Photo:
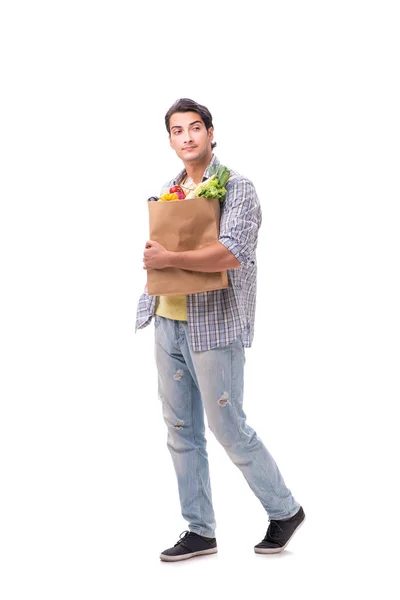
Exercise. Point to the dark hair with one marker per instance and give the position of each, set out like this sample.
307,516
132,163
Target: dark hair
187,105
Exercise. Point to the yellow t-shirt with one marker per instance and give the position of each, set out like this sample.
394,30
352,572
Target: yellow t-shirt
174,307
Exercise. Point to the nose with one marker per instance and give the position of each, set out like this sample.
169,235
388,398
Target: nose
187,137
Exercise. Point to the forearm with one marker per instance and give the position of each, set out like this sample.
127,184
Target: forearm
210,259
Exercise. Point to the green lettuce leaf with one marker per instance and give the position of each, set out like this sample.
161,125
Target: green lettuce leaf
213,190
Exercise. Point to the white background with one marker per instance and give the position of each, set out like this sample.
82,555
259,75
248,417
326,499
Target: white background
305,101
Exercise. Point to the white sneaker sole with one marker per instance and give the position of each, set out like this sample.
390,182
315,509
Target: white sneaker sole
190,555
276,550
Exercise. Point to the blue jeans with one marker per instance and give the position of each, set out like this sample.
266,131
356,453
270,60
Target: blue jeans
190,382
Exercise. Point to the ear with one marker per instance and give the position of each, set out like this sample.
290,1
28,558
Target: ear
211,133
170,141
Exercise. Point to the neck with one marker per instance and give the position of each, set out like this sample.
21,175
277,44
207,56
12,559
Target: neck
196,169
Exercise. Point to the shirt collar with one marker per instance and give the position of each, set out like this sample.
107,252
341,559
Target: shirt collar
181,176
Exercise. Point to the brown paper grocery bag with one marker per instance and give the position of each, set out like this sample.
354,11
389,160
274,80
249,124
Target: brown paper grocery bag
184,225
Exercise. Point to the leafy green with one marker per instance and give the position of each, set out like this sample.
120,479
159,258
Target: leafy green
213,190
214,186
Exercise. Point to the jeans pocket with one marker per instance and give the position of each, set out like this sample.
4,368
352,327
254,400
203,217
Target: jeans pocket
157,320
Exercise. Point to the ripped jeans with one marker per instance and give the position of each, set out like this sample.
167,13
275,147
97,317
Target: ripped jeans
190,382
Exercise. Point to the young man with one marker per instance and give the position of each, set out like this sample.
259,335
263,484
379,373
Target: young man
200,341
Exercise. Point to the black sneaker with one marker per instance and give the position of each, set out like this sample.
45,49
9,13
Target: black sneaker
279,533
191,544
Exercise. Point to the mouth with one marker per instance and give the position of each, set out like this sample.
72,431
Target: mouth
189,147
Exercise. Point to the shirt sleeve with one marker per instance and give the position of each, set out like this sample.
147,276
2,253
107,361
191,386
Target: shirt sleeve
240,220
145,310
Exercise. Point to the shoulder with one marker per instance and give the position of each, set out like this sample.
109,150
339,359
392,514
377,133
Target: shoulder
167,185
240,186
175,181
237,180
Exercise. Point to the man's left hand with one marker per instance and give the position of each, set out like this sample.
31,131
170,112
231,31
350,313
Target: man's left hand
155,256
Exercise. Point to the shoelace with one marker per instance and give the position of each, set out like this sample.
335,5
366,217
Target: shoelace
181,539
273,530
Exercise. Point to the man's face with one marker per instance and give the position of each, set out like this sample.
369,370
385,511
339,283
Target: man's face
189,136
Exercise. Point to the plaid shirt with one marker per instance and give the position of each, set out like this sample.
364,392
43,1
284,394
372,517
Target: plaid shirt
219,317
